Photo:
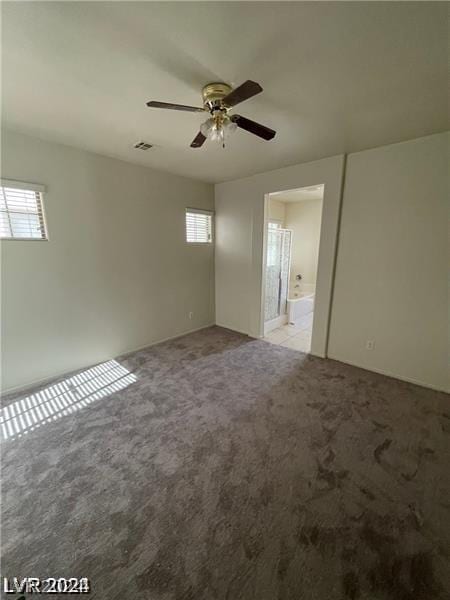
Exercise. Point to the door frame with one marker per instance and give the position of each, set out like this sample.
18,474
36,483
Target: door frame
331,208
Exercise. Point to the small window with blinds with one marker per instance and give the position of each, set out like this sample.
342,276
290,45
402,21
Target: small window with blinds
199,226
21,211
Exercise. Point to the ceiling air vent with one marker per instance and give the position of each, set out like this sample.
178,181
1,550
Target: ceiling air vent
143,146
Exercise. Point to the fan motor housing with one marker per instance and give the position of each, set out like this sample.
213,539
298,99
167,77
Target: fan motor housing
213,93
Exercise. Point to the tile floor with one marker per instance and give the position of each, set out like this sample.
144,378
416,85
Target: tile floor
296,336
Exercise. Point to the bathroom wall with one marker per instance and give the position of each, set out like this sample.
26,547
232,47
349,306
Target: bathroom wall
304,219
277,210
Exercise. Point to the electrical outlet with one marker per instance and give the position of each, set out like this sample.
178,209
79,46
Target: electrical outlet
191,315
370,344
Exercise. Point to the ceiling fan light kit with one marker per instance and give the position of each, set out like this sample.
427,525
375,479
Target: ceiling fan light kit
218,99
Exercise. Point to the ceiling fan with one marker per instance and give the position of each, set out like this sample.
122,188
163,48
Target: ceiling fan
218,99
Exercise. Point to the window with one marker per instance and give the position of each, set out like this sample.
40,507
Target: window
199,226
274,224
21,211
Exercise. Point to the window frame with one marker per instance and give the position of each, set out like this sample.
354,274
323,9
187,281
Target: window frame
29,187
278,223
201,211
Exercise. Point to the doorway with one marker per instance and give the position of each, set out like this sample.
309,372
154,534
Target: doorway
292,238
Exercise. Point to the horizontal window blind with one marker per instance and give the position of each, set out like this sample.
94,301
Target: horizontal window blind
198,226
21,213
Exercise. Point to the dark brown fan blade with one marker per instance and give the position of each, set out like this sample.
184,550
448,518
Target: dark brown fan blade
252,127
155,104
243,92
198,141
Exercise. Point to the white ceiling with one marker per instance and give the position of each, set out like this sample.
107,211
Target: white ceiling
337,77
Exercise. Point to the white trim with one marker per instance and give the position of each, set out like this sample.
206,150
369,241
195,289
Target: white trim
44,380
262,308
266,219
235,329
209,244
39,190
200,211
329,228
23,239
22,185
276,221
388,374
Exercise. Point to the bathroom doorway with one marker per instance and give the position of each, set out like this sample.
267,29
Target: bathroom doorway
292,236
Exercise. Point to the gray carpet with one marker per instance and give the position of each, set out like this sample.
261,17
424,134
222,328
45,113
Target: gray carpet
224,468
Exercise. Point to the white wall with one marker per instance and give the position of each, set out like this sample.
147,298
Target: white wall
240,213
392,266
277,210
116,274
304,219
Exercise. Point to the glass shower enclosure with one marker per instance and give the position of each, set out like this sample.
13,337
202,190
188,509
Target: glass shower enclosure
278,258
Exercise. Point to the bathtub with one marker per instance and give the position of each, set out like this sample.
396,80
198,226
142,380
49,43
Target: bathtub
299,307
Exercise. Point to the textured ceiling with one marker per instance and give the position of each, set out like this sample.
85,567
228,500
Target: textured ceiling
337,77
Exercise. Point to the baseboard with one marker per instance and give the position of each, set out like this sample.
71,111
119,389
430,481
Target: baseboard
23,388
388,374
43,381
167,339
232,329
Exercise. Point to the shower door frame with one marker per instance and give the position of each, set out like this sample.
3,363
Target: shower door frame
281,319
